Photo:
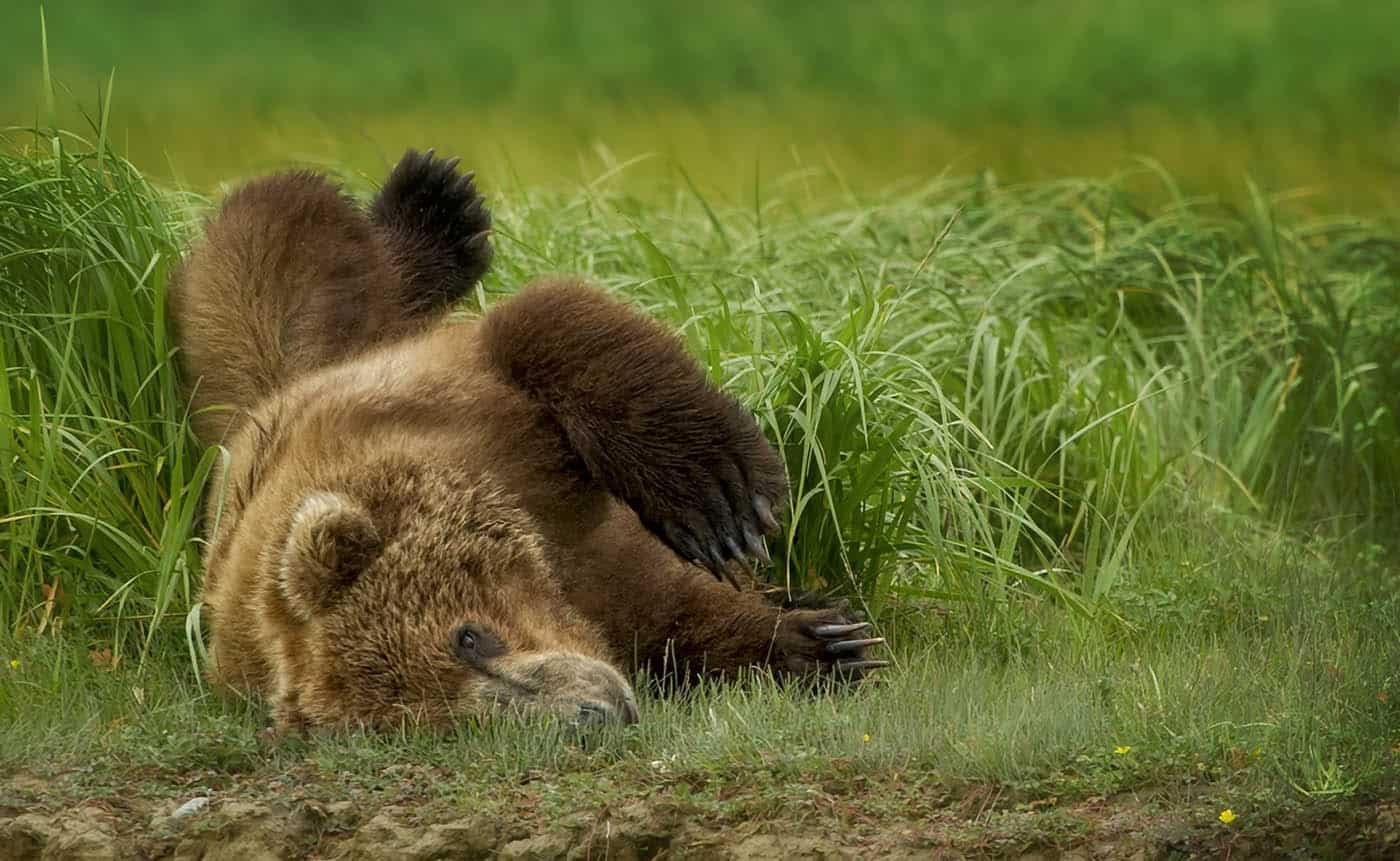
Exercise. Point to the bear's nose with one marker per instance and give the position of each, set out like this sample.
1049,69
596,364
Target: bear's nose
590,714
593,713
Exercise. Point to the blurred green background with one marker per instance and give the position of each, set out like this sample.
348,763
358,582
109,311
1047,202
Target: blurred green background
1296,94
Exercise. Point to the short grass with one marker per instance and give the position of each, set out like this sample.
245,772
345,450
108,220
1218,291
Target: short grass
1278,694
1117,480
1273,708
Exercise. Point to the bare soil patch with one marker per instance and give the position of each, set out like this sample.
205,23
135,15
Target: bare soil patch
413,814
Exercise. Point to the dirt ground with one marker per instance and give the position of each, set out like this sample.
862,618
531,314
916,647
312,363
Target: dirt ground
409,816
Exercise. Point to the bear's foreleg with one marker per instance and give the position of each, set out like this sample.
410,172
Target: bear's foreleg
642,418
658,615
720,632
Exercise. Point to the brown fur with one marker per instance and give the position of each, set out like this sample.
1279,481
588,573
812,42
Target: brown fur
395,480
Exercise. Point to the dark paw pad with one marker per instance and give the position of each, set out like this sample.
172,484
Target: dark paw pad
438,225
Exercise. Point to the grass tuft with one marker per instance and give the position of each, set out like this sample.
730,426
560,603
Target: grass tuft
101,483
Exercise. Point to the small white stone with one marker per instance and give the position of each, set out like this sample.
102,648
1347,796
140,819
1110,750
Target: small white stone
191,807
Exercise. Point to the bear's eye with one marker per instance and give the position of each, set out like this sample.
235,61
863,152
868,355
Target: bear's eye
466,641
473,643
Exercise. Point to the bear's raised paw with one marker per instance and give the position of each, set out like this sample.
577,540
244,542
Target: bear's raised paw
437,225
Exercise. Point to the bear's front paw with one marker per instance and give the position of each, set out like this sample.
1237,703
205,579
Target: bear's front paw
825,643
716,503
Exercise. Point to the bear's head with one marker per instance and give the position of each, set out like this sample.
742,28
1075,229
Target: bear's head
428,602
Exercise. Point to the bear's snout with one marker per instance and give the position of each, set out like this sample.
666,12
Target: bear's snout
581,690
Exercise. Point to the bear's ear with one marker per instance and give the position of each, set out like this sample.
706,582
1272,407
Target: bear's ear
332,540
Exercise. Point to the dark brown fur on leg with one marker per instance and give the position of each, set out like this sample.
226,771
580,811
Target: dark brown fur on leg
290,277
642,417
659,616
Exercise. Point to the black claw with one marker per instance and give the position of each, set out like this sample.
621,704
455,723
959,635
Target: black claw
735,552
755,545
733,579
831,632
747,568
715,560
698,555
846,646
451,163
684,545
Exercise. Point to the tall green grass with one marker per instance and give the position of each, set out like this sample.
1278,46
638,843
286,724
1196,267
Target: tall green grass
100,485
983,393
982,388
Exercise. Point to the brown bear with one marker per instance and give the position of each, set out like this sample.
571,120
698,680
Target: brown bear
422,519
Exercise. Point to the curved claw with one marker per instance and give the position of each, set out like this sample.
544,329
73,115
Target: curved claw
732,577
832,632
755,545
855,666
735,551
764,509
714,560
846,646
479,241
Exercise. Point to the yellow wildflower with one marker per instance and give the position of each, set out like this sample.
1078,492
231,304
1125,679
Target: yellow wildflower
1227,816
1122,750
14,663
866,738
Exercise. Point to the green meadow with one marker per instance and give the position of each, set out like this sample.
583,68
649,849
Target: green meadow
1077,325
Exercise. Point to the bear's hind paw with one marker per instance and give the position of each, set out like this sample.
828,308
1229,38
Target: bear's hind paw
438,225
